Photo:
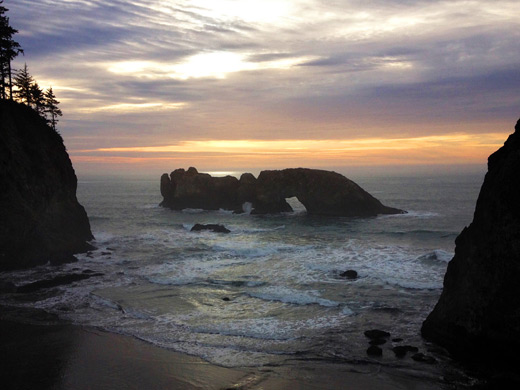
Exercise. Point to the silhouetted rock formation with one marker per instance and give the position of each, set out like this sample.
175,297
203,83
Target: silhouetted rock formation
190,189
321,192
40,218
478,313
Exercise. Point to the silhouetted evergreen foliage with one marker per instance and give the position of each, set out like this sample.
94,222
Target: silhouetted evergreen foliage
9,49
38,99
23,81
27,89
51,108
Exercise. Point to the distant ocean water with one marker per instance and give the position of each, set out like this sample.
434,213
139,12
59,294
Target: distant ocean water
280,274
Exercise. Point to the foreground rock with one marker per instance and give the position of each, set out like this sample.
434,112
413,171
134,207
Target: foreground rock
40,218
211,227
478,313
321,192
349,274
376,334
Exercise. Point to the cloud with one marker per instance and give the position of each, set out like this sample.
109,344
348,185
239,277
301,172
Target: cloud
284,69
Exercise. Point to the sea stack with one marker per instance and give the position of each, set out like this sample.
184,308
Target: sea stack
321,192
478,313
41,220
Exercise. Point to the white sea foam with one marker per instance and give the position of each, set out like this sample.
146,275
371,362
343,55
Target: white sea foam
292,296
437,255
280,273
192,211
247,207
237,249
419,214
150,206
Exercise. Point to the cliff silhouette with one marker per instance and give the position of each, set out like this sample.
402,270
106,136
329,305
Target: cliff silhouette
478,314
41,220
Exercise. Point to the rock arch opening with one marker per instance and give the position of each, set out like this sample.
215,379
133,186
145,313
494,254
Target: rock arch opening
296,205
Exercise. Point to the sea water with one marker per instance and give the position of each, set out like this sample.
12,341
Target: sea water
270,292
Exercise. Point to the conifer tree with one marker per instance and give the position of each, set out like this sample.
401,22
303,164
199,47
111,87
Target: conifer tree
38,99
51,108
23,81
9,49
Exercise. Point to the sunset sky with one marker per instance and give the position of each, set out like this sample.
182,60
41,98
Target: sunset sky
224,85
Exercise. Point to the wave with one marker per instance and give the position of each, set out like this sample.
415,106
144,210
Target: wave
253,230
236,283
411,284
412,214
437,255
417,232
291,296
193,211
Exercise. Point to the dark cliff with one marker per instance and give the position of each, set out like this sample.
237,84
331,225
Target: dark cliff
321,192
478,313
40,218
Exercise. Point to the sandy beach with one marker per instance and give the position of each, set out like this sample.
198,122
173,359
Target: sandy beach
63,356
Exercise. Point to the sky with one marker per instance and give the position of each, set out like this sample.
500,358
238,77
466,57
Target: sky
149,86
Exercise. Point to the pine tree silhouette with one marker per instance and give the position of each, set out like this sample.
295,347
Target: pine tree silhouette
24,81
9,49
51,108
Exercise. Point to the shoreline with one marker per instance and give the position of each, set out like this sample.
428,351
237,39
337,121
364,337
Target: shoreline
36,351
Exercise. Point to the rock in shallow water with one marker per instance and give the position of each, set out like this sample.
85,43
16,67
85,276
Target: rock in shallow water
376,334
212,227
321,192
349,274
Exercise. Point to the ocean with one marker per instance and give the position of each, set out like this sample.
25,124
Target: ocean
270,292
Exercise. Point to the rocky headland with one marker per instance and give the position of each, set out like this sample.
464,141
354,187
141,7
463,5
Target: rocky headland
478,314
41,220
321,192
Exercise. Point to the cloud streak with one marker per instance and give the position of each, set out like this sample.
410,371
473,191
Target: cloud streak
151,72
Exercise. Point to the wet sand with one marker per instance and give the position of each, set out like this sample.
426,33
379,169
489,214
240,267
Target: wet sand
62,356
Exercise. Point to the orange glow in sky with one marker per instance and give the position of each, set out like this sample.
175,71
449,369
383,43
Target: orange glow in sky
229,154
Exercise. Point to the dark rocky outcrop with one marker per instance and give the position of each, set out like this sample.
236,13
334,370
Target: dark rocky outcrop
211,227
40,218
321,192
478,313
377,342
191,189
349,274
376,334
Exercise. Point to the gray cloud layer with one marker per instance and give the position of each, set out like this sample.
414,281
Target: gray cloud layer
288,69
